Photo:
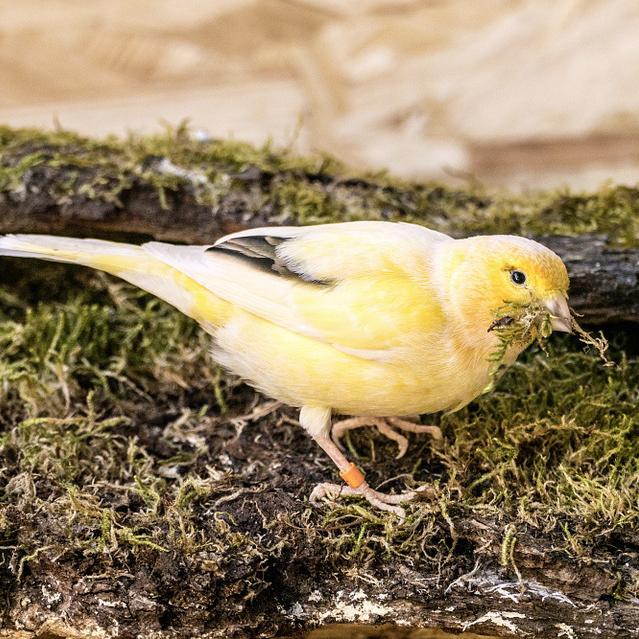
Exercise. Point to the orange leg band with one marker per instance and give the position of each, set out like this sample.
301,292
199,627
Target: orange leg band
352,476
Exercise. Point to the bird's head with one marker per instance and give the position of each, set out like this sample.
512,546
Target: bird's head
488,272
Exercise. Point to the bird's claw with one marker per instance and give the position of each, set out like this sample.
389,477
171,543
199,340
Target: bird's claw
382,424
404,424
388,503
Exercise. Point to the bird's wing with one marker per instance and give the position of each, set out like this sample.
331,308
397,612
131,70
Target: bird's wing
364,287
333,252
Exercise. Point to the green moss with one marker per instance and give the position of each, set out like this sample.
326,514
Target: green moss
296,189
103,170
107,416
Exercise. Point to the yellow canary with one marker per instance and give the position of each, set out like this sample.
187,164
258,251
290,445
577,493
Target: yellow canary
374,320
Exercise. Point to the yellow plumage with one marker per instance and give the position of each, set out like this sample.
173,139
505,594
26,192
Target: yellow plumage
362,318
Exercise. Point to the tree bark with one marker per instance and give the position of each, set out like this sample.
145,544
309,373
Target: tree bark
604,278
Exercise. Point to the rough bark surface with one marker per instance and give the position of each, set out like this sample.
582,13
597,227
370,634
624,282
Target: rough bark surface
605,279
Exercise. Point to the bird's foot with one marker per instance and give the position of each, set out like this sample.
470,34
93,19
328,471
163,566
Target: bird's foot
383,501
384,426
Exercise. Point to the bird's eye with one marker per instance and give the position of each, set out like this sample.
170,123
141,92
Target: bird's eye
517,277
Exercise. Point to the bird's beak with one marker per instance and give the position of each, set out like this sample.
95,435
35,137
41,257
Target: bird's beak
560,317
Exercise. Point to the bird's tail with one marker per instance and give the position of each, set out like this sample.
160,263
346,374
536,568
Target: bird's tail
129,262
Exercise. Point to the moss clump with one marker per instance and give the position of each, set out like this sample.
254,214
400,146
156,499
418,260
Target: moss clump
105,170
519,325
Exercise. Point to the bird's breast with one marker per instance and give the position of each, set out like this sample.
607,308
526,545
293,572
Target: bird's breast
435,375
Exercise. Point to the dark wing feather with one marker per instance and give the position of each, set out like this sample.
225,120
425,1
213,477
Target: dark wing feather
260,252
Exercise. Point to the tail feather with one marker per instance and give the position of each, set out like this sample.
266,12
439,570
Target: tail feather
130,263
64,249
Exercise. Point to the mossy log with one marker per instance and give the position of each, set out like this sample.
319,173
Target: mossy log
179,189
146,493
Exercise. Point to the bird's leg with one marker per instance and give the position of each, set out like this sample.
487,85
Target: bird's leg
317,421
382,425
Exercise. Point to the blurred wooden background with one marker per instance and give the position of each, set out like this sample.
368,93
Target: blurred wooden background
521,93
